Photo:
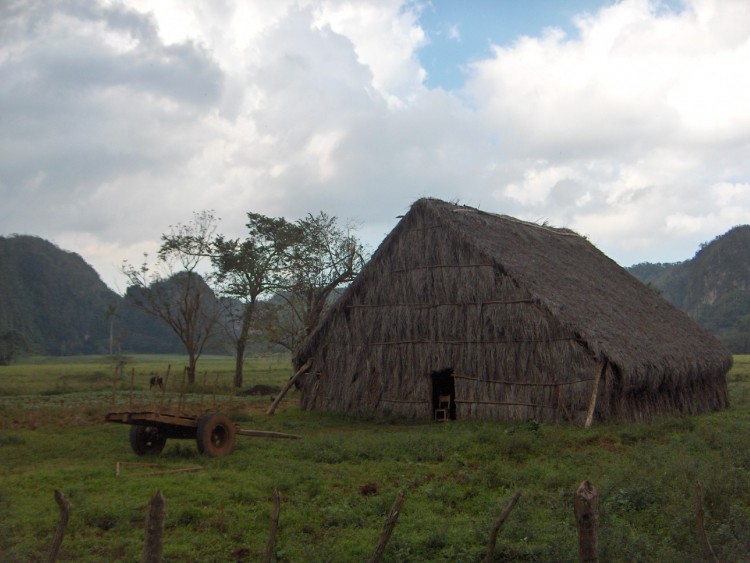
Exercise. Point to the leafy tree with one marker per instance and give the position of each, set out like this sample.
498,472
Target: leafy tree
244,269
250,268
324,257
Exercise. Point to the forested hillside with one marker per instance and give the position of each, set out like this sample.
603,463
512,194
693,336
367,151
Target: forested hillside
54,303
52,297
713,288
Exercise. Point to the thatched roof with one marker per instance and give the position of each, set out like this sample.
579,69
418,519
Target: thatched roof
648,341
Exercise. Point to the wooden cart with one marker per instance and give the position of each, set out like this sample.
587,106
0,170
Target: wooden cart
214,432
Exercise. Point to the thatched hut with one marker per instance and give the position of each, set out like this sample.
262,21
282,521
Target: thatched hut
505,320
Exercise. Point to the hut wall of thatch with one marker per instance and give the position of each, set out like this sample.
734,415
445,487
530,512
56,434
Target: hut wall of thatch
434,300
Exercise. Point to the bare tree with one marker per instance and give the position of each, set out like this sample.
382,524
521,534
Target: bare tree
183,300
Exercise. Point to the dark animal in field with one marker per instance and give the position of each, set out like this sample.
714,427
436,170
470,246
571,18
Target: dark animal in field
156,381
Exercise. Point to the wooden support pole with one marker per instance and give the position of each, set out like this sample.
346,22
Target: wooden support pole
708,551
203,388
182,400
62,524
594,393
164,388
114,390
152,548
216,385
266,434
277,400
270,546
132,383
497,524
390,523
586,508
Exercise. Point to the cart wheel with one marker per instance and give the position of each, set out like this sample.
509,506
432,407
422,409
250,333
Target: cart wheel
146,440
215,435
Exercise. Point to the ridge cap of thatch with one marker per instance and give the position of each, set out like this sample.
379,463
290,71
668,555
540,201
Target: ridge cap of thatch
563,231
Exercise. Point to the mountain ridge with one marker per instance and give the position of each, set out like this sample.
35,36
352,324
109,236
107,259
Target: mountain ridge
61,306
713,287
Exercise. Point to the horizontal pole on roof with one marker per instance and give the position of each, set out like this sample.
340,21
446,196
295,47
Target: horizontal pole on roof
453,342
430,305
433,266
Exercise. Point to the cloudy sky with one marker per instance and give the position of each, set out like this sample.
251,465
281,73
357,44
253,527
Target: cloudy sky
627,121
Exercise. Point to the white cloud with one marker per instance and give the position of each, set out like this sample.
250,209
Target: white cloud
454,33
646,108
120,120
385,36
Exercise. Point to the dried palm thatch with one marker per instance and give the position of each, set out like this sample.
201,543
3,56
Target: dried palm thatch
514,321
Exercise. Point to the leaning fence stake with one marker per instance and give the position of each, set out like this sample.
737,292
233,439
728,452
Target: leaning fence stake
390,523
274,526
497,524
586,507
154,530
62,523
708,551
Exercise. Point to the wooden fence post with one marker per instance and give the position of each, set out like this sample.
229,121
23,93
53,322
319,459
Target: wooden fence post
62,523
274,526
390,523
708,551
154,530
586,507
497,524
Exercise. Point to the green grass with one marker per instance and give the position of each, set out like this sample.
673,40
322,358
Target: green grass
62,375
338,482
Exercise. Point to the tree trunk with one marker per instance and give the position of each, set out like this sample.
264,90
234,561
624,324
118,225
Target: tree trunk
192,363
239,360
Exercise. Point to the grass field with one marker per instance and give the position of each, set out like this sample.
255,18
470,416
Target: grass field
338,482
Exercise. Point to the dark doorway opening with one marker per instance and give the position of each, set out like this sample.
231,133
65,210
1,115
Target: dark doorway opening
443,395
